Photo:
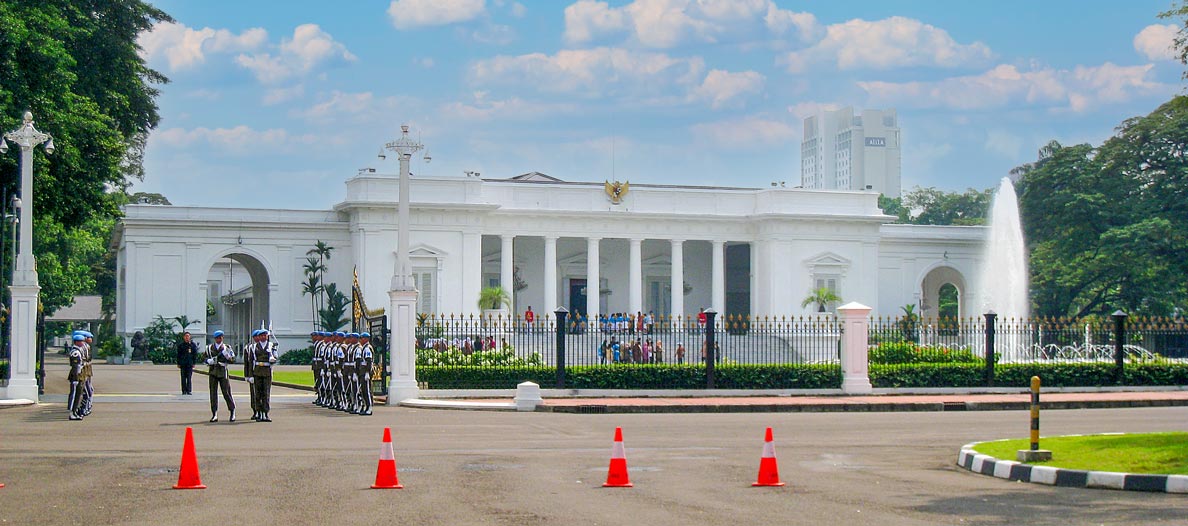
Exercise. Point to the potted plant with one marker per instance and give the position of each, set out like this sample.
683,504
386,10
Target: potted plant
112,349
494,302
822,297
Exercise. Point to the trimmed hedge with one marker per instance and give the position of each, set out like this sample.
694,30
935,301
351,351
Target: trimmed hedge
3,370
670,376
296,357
658,376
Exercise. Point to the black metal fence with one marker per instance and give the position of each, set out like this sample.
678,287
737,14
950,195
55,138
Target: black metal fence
984,345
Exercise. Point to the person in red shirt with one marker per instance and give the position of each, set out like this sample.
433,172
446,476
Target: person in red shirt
701,319
529,317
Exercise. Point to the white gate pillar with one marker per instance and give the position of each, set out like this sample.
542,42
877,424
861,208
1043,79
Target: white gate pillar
855,329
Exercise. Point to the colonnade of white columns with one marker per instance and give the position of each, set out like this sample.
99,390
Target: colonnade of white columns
635,274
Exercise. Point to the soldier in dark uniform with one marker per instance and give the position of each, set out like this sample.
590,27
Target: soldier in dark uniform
88,391
363,363
263,356
218,356
187,354
316,366
75,376
248,362
348,372
336,356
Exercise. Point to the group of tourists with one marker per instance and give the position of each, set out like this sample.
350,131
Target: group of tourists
341,366
82,392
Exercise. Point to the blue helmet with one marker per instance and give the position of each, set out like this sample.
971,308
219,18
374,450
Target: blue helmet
218,334
77,336
366,335
88,334
352,335
340,334
257,332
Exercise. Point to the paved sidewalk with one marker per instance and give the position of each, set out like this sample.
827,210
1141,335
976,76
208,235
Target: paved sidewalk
945,402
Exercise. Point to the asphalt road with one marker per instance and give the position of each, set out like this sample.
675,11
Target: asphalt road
313,466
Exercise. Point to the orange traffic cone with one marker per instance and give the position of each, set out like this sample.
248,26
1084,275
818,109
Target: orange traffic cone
385,473
188,477
616,477
769,473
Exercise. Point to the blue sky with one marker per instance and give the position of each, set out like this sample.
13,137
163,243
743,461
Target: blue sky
274,104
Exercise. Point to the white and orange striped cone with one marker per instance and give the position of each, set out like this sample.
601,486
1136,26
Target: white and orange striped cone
617,477
769,473
385,473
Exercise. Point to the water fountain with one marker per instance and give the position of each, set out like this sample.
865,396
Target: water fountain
1002,285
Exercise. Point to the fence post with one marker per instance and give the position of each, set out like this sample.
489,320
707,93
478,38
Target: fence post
854,341
562,313
1119,341
989,372
710,333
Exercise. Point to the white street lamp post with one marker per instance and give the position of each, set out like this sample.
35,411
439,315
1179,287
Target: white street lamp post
403,292
22,381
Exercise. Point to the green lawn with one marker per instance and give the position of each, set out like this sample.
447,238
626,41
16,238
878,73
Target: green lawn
1155,453
294,377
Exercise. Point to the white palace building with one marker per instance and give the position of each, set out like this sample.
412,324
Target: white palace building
662,248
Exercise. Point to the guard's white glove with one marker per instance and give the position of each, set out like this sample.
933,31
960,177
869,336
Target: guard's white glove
210,361
271,359
251,379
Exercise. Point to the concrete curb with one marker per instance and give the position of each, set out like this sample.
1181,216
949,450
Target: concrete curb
852,407
15,402
453,404
976,462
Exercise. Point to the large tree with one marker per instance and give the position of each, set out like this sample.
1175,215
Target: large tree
75,65
930,206
1107,227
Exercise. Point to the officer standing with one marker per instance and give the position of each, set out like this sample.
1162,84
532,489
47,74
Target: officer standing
218,356
315,365
248,362
187,354
338,354
75,376
263,357
88,388
348,372
363,370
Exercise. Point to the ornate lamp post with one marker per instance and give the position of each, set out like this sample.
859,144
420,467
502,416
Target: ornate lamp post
403,292
22,382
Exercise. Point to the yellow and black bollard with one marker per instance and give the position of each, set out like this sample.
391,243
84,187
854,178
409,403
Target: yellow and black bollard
1035,454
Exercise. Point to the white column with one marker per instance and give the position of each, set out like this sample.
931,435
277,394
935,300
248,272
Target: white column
719,278
472,271
505,267
22,379
550,274
593,290
855,326
402,323
635,276
678,278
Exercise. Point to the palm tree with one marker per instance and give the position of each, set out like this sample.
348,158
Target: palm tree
908,323
316,259
313,284
822,297
493,298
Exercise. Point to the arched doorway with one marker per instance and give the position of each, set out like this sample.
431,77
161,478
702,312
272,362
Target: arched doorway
943,293
237,298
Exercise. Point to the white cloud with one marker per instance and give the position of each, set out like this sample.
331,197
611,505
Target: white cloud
496,34
668,23
307,49
723,87
518,10
184,47
484,109
278,95
238,140
364,106
1157,42
752,132
1078,89
593,72
804,110
884,44
408,14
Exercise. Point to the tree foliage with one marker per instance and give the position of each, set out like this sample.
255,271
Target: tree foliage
930,206
74,64
1107,226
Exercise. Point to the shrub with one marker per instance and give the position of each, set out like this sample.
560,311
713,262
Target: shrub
3,370
652,376
302,356
161,341
494,358
903,352
111,347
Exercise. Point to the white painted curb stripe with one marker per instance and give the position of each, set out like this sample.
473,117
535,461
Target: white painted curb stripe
1106,479
1177,484
1043,475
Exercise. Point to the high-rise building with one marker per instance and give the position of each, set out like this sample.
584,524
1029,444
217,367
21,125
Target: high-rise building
844,151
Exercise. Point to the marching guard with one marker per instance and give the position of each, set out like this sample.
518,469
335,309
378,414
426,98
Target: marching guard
363,363
337,355
88,391
263,357
76,375
218,356
248,362
350,349
315,365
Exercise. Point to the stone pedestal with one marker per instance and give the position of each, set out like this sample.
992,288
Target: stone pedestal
854,358
22,380
528,396
402,319
1039,455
